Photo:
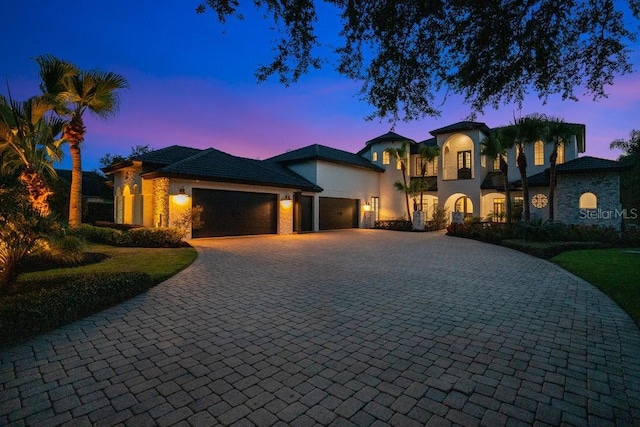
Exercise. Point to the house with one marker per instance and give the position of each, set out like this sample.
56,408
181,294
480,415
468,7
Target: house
321,188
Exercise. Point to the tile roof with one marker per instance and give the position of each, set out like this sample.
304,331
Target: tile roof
389,137
168,155
215,165
431,142
495,181
322,152
589,164
461,126
432,182
93,184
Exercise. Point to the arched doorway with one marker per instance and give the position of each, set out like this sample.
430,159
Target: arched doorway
465,205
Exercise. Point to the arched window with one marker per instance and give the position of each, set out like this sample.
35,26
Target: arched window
386,158
374,156
588,201
538,157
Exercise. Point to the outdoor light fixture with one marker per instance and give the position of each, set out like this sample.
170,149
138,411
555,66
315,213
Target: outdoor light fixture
182,197
286,202
367,207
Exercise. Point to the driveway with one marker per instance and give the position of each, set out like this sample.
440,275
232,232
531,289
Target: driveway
354,327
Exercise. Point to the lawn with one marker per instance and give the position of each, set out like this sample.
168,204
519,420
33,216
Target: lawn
614,271
159,263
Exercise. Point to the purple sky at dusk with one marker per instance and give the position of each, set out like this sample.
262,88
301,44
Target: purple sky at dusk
192,83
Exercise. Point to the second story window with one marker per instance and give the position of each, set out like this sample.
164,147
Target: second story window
496,164
374,156
386,158
418,166
538,153
464,164
560,158
398,164
434,167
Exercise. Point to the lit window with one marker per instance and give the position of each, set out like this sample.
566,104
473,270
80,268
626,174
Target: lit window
374,157
538,157
588,201
375,207
496,163
434,166
418,166
386,158
398,164
560,158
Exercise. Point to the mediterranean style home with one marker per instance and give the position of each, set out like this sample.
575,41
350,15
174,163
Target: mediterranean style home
322,188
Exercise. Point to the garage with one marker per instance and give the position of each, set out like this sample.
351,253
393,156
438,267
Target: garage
236,213
337,213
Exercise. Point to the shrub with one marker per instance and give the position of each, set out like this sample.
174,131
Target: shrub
153,237
135,237
94,234
631,236
63,300
395,224
547,250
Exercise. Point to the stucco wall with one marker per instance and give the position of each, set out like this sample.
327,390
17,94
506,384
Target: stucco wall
606,187
348,183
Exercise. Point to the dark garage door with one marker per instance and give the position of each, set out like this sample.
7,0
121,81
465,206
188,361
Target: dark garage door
235,213
338,213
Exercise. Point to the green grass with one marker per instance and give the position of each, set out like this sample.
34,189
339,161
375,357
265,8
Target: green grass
614,271
159,263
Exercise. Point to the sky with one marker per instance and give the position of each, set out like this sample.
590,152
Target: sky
192,83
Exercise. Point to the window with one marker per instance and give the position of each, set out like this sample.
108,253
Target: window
483,161
499,211
560,158
435,208
496,163
464,164
375,208
588,201
434,167
374,156
386,158
398,164
418,166
538,153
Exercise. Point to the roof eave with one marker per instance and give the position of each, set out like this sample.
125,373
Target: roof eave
161,174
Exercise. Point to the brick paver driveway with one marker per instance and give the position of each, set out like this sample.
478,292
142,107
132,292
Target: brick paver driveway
357,327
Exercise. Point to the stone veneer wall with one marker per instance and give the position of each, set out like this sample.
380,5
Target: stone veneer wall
606,187
161,202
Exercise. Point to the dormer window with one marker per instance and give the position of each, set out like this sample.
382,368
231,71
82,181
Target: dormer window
374,156
560,159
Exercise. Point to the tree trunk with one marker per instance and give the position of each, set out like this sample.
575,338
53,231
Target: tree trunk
522,167
75,194
406,195
504,167
553,158
38,190
74,134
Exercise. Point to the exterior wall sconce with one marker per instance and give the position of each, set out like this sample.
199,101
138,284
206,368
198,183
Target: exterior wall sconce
367,207
182,197
286,202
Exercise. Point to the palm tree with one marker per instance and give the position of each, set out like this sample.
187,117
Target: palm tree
525,130
29,145
428,154
75,91
495,147
556,131
401,154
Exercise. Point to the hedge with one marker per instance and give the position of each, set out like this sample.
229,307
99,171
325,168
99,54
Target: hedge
63,300
141,237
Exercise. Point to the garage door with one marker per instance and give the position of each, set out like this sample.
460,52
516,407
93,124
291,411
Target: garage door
338,213
235,213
